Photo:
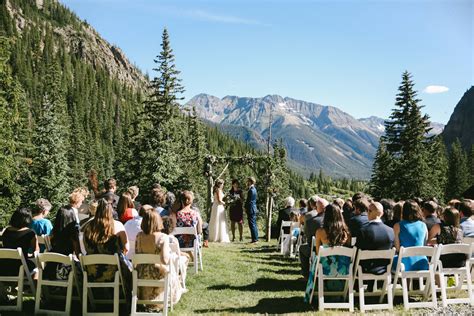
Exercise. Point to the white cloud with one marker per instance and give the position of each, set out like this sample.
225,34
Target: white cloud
435,89
208,16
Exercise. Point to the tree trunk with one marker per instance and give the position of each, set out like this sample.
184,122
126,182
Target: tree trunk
269,218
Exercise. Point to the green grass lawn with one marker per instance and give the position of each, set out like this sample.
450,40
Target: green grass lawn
247,279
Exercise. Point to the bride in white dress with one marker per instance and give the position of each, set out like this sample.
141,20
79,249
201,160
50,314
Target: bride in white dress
218,223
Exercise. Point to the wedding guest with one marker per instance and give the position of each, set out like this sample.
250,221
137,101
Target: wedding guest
158,197
448,232
104,235
313,221
19,235
334,232
388,205
467,224
170,200
397,214
110,186
284,214
236,208
339,202
168,226
40,224
133,227
303,206
429,214
187,217
375,236
361,206
411,231
134,191
152,241
347,211
125,208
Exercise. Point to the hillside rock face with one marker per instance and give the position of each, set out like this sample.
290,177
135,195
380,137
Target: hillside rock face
316,136
83,40
461,122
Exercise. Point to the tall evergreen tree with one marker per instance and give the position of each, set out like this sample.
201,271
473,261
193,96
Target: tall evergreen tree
406,141
458,173
160,136
13,137
471,165
50,166
438,166
381,184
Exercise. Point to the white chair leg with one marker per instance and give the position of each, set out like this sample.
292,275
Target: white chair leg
321,293
351,295
38,295
389,294
443,290
361,296
432,285
405,294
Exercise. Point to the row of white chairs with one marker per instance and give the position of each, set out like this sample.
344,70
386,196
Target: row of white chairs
398,282
24,278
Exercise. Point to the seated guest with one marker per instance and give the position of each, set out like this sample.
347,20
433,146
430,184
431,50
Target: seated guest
110,186
65,234
152,241
333,233
388,205
40,224
411,231
92,209
133,227
347,211
284,214
170,201
339,202
104,235
18,234
429,213
303,206
467,223
397,214
158,197
134,191
361,206
168,227
187,217
448,232
204,226
125,208
375,236
313,220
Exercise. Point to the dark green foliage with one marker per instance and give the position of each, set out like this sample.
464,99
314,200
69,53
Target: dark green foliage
458,173
403,161
49,170
438,167
471,165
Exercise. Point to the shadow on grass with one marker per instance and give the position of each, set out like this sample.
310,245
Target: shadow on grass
279,305
295,271
263,249
264,284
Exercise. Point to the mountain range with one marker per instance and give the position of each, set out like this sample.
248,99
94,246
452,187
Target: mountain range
315,136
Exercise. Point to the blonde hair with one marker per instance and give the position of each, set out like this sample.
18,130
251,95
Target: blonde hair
151,222
76,197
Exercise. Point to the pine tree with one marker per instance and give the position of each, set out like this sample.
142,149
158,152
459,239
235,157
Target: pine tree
381,184
471,165
50,167
438,166
406,141
458,173
160,136
13,136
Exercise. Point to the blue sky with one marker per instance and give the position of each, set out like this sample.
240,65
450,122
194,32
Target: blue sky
349,54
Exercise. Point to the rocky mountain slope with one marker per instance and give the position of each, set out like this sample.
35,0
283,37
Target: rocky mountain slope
316,136
461,122
376,124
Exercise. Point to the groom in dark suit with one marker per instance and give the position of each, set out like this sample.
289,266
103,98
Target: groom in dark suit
251,208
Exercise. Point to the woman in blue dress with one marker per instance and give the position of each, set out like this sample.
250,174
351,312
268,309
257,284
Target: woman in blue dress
411,231
333,233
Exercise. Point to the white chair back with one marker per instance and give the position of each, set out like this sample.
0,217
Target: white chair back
117,284
19,279
196,249
42,259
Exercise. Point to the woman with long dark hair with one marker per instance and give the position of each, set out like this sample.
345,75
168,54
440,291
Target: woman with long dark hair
236,208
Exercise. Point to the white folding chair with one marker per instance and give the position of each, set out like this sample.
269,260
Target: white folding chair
42,260
87,287
283,236
164,283
312,250
462,273
421,275
44,240
179,265
299,241
347,278
470,241
18,280
195,250
386,278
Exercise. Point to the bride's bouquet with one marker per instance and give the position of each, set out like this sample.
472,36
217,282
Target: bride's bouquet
231,198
